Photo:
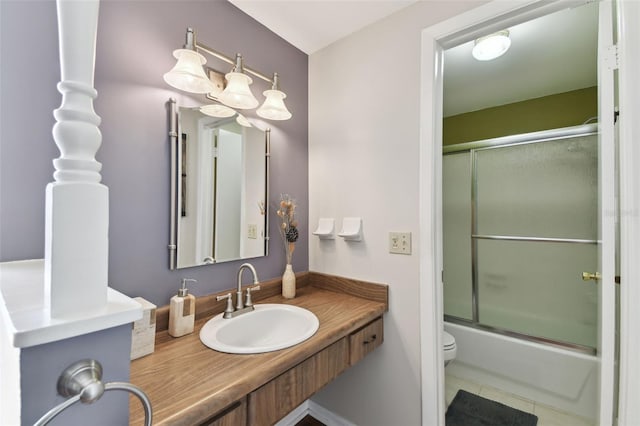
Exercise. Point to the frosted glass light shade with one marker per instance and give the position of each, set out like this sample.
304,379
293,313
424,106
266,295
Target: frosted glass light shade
237,94
188,74
491,46
273,107
216,110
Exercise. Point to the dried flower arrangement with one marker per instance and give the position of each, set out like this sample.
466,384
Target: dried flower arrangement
288,224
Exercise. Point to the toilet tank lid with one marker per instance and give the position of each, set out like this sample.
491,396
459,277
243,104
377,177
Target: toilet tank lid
447,339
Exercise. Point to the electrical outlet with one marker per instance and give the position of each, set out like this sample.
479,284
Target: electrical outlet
400,242
252,232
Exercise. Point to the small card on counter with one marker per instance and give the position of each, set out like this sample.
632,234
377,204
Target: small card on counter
143,335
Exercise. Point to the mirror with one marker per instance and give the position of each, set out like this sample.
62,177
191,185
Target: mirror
219,189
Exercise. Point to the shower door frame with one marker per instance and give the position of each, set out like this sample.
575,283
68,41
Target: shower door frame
502,142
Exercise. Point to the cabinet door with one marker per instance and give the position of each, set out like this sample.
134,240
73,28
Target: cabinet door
233,415
280,396
365,340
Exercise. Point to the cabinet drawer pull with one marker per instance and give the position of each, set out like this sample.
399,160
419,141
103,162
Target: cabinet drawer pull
366,342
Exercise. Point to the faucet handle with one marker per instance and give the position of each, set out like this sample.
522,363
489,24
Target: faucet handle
229,309
249,290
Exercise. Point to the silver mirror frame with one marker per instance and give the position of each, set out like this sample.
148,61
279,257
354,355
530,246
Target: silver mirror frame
173,224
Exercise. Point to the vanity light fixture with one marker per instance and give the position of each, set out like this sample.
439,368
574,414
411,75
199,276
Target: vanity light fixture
273,107
238,94
491,46
188,75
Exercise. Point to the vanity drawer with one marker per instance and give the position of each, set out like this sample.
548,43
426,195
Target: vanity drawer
365,340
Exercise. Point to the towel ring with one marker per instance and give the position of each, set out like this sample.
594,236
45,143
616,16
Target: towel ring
82,381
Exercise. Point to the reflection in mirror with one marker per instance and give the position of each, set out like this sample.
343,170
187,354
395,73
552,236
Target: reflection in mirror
219,189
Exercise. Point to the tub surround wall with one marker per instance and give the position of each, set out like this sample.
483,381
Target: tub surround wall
369,140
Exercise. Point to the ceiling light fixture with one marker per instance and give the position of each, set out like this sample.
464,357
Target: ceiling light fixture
188,75
492,46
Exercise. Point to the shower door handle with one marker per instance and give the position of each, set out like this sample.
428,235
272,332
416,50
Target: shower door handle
586,276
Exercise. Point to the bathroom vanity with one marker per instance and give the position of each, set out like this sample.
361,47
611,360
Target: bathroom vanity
190,384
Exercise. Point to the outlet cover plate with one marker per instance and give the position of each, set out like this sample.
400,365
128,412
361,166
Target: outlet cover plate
400,242
252,231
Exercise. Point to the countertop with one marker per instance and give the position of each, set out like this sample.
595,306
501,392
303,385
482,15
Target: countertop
187,382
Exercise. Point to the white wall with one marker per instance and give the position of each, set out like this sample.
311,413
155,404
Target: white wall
228,190
364,110
253,184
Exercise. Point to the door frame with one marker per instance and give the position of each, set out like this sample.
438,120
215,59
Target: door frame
628,41
489,17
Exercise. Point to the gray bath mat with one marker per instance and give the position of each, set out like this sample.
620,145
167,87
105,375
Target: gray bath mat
468,409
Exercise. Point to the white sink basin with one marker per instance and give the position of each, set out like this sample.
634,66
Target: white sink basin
269,327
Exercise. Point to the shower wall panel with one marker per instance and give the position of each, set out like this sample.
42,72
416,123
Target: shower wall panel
456,200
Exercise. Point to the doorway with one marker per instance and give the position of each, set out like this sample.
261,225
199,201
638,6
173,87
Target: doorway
466,27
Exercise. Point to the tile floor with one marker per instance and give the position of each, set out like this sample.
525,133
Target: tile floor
547,416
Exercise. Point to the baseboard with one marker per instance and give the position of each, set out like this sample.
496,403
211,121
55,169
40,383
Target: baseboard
316,410
295,416
326,416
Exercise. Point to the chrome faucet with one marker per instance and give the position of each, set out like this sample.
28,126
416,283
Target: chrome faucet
247,305
239,304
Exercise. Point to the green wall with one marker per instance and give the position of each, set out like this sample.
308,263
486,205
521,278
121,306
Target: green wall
549,112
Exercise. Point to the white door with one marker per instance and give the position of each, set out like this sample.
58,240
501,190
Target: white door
607,213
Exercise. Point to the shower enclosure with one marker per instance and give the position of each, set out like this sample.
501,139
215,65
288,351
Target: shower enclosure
520,227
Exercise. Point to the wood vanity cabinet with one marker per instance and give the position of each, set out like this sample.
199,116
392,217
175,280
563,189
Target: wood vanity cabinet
271,402
260,389
276,399
233,415
365,340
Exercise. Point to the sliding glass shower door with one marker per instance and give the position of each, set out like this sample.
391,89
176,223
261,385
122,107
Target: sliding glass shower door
520,227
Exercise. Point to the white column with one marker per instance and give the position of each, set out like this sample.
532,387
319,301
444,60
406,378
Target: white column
77,215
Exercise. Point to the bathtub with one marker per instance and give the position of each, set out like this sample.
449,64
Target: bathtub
552,376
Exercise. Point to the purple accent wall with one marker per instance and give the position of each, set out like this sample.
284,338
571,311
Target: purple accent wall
42,365
29,73
134,49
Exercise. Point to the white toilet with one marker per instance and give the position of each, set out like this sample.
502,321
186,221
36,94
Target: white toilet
450,349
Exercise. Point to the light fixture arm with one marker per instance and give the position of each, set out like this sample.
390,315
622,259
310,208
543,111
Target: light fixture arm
190,39
204,48
275,83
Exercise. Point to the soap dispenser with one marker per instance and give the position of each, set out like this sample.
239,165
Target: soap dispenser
182,311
